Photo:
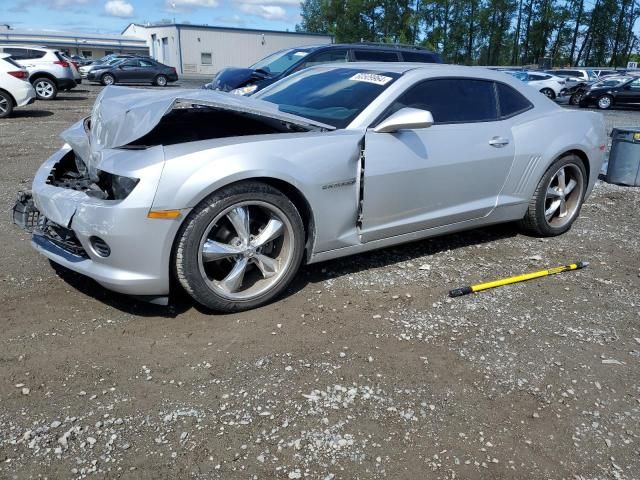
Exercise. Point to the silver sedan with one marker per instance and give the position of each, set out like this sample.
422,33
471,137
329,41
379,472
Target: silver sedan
229,195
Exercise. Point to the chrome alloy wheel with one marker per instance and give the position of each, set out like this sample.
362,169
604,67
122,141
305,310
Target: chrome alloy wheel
246,250
564,195
44,89
4,105
108,80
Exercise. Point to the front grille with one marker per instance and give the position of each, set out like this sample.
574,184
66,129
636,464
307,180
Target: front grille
64,238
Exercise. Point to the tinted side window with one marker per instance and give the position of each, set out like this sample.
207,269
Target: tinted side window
374,56
17,53
511,102
146,63
533,77
423,57
326,57
452,100
33,54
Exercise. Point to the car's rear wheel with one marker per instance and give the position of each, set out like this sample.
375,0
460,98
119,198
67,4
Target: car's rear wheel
161,81
549,93
240,247
108,79
558,198
46,89
605,102
6,104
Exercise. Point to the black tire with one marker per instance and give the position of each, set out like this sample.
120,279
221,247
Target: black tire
46,89
187,247
575,98
534,221
160,81
108,79
605,102
548,93
6,104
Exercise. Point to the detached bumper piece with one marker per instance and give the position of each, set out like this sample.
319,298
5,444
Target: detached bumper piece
27,217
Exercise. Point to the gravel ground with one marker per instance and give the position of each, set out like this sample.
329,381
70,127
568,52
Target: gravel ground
364,370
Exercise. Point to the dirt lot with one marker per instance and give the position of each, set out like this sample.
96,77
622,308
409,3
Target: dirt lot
364,370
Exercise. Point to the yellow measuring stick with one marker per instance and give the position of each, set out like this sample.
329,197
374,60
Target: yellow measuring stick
458,292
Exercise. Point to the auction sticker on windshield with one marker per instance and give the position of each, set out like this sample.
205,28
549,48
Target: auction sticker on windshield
371,78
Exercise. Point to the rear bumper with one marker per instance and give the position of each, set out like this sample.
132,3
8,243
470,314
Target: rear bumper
24,94
66,83
140,248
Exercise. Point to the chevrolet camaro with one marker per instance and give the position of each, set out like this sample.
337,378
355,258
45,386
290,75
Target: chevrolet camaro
230,195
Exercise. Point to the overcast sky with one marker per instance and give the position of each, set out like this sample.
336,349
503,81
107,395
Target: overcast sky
112,16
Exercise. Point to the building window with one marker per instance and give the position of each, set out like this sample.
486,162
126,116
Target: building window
206,58
87,53
108,52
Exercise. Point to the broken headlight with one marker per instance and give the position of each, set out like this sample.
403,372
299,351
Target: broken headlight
248,90
115,187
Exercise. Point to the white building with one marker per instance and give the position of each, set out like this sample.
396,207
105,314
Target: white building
89,45
201,50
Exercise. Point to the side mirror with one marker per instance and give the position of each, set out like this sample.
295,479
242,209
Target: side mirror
405,119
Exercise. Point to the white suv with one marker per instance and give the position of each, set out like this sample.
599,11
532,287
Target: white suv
15,89
48,70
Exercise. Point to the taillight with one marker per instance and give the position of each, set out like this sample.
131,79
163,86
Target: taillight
21,74
62,63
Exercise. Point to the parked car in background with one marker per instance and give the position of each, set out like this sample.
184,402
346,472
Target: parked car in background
229,195
15,89
49,72
549,85
134,70
108,60
81,60
585,75
246,81
74,68
618,90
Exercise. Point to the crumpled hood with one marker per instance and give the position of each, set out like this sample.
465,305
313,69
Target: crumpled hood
230,78
121,115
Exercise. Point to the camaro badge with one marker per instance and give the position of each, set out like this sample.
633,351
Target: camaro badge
344,183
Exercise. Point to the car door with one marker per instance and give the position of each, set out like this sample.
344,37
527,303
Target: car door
147,71
629,94
449,173
128,71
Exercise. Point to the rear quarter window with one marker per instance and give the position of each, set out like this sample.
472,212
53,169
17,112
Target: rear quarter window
510,101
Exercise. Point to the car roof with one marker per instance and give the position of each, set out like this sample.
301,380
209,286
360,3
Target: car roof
39,47
366,46
436,69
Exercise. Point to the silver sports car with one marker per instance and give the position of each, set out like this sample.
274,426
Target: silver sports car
229,195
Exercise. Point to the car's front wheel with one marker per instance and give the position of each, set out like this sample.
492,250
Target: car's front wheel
240,247
108,79
557,201
6,104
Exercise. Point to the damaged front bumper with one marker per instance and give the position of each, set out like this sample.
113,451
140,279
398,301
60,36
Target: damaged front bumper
110,241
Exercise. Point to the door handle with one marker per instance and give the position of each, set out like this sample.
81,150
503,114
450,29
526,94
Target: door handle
499,142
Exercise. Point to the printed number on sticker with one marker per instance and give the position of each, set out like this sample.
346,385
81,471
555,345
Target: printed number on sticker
371,78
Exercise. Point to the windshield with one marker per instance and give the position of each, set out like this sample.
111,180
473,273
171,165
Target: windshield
280,61
333,96
613,82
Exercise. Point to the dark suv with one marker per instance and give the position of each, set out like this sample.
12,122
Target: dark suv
246,81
